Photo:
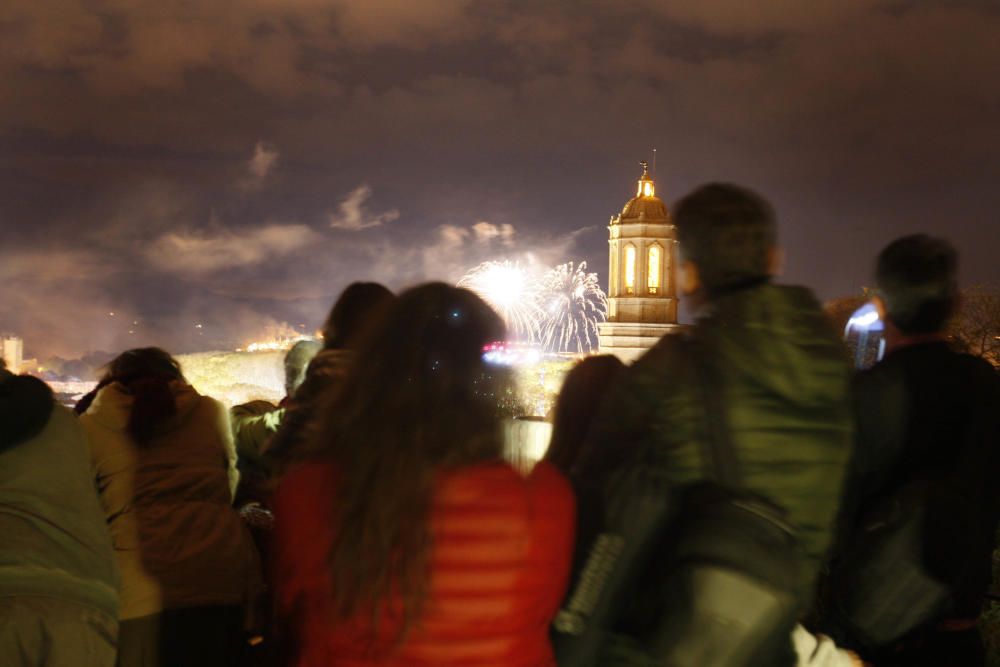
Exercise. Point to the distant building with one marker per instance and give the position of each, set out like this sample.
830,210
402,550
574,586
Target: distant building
642,291
12,352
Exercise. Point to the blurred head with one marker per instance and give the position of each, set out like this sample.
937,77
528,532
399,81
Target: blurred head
917,283
145,374
581,396
417,404
357,311
26,404
727,237
142,362
296,362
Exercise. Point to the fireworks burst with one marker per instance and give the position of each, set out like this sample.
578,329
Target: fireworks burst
559,310
574,305
511,290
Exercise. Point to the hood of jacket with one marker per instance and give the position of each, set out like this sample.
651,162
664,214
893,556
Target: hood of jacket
778,337
113,405
25,407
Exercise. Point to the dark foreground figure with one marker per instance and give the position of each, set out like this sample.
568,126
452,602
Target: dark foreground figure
928,447
761,376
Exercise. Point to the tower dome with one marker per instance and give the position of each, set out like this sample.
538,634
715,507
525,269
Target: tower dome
649,208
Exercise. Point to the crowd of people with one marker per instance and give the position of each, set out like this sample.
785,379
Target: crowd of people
738,496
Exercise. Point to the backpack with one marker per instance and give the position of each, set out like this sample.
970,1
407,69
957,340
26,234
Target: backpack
881,588
723,563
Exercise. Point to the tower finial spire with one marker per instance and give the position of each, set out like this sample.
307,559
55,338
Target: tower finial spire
646,187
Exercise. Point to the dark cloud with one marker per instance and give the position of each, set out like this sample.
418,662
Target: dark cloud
236,164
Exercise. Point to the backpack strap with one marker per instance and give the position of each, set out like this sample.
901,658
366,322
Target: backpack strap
718,454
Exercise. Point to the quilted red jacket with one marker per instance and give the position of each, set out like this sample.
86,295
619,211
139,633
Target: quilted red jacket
501,554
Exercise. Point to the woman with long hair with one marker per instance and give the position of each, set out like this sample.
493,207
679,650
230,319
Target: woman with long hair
166,472
406,540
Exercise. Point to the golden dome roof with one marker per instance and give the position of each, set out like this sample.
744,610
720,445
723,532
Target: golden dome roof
647,208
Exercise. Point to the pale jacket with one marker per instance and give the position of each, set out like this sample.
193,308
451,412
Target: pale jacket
53,539
168,504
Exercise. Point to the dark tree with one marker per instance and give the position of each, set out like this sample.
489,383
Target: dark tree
976,327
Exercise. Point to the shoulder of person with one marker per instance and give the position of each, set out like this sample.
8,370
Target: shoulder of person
798,293
64,425
109,409
982,370
889,370
209,404
662,360
64,416
983,383
666,349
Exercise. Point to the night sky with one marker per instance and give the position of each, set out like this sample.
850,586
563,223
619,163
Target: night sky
235,164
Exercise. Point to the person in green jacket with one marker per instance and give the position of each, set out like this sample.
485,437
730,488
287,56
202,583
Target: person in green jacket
254,423
58,577
779,364
269,437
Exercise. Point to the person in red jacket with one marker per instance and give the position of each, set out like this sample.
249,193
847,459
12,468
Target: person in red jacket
406,540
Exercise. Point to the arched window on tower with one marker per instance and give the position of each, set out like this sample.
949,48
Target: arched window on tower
653,272
630,269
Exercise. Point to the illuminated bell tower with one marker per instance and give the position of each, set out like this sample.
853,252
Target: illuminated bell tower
642,292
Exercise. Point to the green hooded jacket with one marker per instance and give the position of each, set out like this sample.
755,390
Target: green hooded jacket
785,380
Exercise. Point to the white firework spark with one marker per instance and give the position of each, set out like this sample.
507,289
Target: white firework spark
574,305
511,290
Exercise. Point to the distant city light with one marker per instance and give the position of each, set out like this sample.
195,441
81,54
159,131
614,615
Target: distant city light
511,354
